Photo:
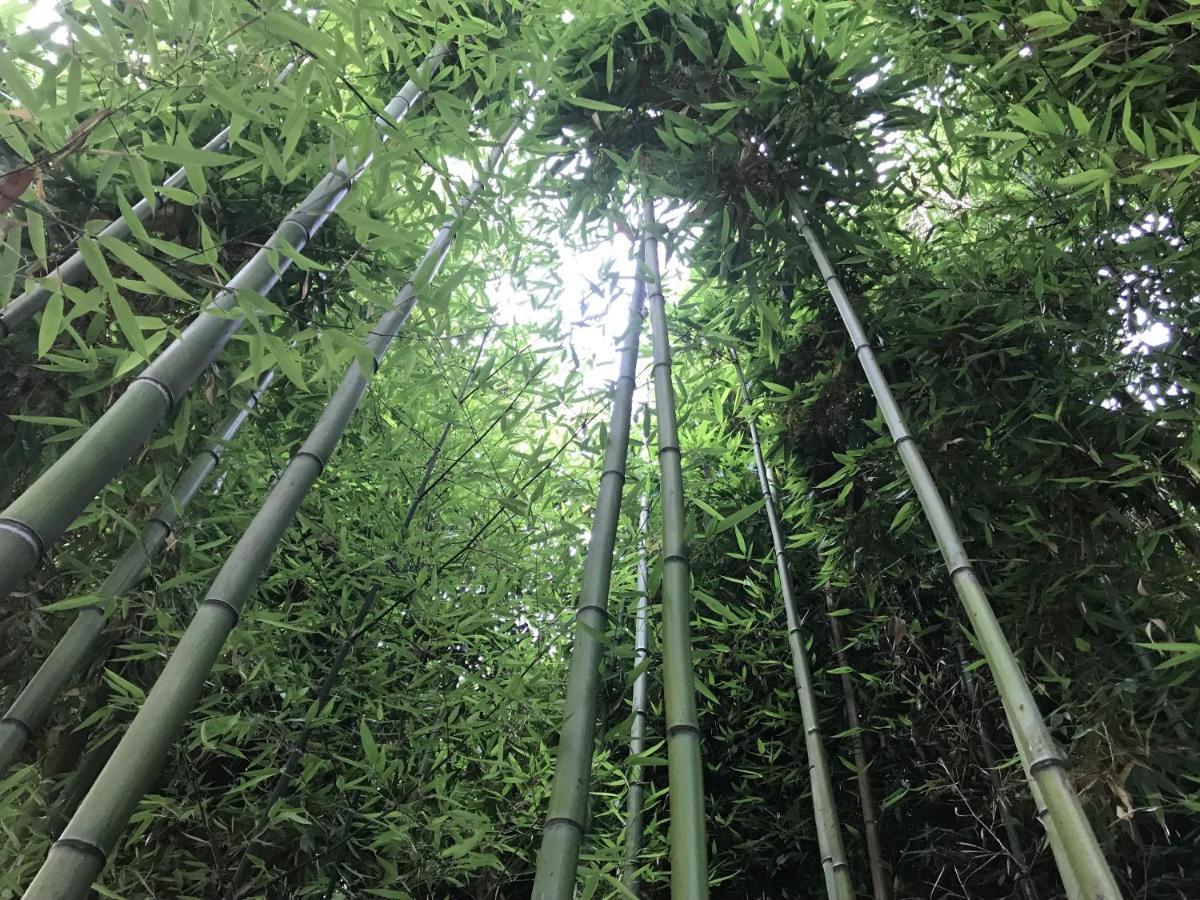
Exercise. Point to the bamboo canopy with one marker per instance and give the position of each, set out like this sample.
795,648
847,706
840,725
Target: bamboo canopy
566,819
634,812
33,521
33,706
77,857
1077,852
74,268
838,885
685,768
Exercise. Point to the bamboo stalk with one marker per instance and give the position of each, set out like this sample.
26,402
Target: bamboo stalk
1080,851
685,767
880,876
829,837
33,706
566,818
634,802
33,521
78,856
74,269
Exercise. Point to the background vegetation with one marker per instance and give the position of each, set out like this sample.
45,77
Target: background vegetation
1009,189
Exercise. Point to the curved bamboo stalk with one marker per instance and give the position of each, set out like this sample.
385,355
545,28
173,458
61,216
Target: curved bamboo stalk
685,767
75,648
634,824
33,521
880,879
73,269
77,857
566,818
1080,851
829,831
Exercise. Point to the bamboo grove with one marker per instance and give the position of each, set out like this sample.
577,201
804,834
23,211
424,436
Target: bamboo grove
767,455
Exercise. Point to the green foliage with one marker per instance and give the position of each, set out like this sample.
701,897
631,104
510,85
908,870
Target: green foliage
1009,189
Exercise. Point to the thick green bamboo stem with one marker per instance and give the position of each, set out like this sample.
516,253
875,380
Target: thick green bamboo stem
880,879
634,802
1016,847
74,269
1081,852
75,648
33,521
685,767
78,856
566,818
829,833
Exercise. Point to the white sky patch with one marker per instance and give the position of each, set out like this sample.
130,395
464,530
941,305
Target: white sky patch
594,310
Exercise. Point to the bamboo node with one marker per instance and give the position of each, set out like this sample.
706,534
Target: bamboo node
86,847
1045,763
960,568
20,723
320,462
562,820
25,533
226,605
580,610
167,393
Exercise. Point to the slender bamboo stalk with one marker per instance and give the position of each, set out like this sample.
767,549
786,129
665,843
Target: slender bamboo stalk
1016,847
92,834
880,877
829,833
634,802
74,269
33,521
75,648
1080,851
566,818
685,767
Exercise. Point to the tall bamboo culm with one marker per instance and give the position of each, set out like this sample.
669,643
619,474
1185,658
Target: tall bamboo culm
829,830
566,819
880,880
685,767
74,269
1078,852
635,801
32,522
75,648
78,856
